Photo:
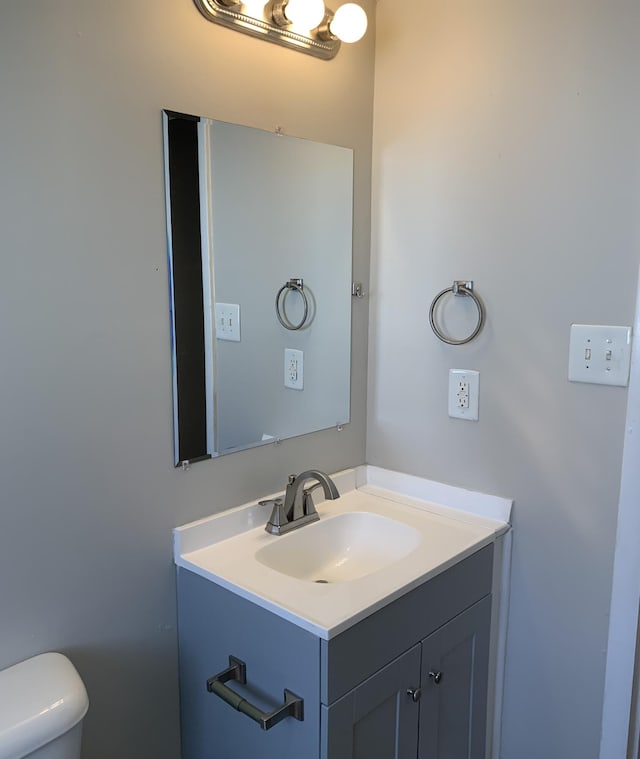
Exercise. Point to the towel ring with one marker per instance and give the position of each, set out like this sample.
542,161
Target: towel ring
459,287
295,283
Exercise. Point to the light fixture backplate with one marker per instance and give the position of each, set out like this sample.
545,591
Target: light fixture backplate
232,17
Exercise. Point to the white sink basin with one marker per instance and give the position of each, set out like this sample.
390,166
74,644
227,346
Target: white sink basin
376,542
340,548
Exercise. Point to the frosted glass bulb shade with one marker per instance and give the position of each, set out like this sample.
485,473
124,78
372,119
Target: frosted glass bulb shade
350,23
305,14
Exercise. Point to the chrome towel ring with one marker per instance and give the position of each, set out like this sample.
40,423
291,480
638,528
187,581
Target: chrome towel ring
459,287
295,283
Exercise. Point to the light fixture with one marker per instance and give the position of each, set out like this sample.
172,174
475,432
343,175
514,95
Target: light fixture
304,25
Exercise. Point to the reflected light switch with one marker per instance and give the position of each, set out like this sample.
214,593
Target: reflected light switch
227,317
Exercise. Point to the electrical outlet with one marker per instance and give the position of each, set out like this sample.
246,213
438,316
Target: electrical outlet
461,399
464,386
227,321
293,369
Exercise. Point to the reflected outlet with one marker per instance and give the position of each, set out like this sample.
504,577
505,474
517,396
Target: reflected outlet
293,369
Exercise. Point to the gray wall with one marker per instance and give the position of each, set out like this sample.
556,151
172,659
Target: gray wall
506,150
89,493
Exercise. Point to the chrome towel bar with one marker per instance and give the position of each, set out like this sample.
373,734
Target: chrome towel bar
293,705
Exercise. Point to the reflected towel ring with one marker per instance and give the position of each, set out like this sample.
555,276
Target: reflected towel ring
295,283
459,287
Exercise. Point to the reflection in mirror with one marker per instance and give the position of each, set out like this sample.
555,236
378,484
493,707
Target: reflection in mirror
260,236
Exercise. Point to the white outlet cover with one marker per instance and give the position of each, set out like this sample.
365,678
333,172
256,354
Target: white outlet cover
472,380
293,369
600,354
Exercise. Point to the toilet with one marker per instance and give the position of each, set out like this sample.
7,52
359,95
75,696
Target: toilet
42,704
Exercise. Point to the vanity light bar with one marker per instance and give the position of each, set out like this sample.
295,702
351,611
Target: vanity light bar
269,21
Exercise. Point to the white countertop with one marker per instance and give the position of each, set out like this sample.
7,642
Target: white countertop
452,523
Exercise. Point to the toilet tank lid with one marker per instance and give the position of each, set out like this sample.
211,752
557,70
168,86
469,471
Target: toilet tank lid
41,698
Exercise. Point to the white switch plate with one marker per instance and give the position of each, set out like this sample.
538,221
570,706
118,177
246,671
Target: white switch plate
599,354
228,321
464,392
293,369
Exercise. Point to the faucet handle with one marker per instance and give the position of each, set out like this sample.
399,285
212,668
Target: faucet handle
308,506
270,501
278,518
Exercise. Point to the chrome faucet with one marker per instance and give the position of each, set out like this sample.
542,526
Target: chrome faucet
297,507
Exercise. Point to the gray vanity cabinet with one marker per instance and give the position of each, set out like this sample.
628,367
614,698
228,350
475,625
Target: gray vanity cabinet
377,719
429,703
453,703
213,624
407,682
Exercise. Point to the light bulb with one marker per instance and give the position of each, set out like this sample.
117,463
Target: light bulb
350,23
305,14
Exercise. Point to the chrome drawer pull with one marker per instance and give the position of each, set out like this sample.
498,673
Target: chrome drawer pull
293,705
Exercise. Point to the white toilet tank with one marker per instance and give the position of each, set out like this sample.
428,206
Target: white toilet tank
42,704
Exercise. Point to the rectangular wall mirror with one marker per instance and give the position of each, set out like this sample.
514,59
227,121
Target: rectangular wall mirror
260,248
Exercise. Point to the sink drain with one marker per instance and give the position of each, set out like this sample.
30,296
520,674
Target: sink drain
322,582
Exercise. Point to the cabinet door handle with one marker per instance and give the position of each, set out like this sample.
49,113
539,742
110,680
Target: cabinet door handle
436,677
293,705
415,694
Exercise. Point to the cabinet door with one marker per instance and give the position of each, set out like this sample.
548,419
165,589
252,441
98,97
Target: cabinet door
453,707
378,719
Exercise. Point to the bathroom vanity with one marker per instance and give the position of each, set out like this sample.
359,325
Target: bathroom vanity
377,635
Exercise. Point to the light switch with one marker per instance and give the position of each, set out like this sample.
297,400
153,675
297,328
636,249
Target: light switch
600,354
